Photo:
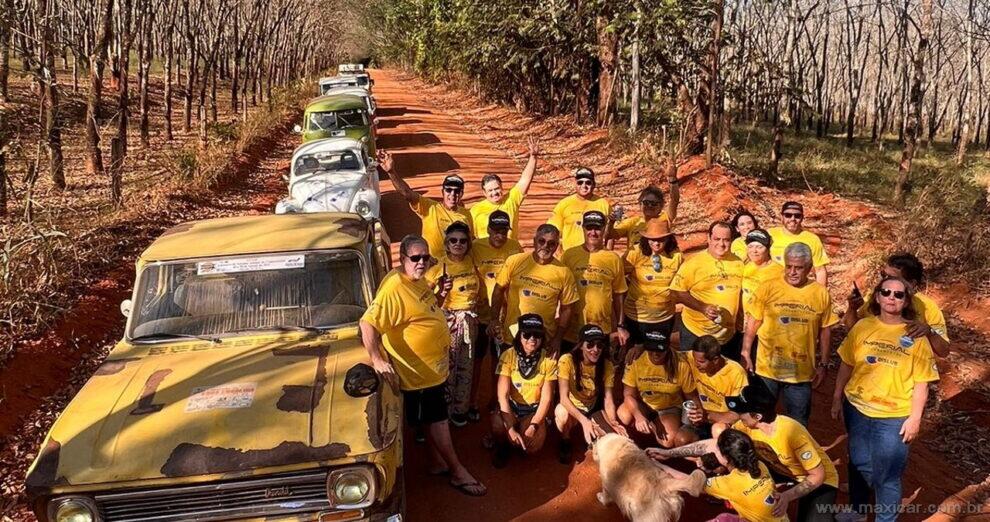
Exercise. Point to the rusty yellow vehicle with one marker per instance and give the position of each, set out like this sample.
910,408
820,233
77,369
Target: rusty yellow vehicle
241,390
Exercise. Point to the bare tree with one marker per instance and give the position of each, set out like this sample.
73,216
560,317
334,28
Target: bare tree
916,99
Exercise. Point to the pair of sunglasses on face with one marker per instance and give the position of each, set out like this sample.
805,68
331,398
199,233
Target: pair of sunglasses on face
793,215
457,240
546,243
587,182
451,190
531,335
898,294
650,203
419,258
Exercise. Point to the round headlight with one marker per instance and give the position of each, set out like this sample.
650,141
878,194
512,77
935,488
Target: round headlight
73,510
351,488
363,208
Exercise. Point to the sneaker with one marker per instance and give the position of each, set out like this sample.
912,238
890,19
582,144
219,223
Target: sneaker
501,457
458,419
565,451
474,415
420,435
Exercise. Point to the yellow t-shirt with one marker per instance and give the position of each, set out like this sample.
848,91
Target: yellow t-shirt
598,276
569,212
738,248
510,205
658,389
754,276
631,228
526,392
535,288
489,261
649,299
752,498
790,451
924,306
464,295
782,238
414,330
792,318
886,364
584,398
713,389
714,282
436,219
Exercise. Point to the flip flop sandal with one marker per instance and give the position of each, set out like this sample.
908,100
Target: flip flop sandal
440,473
464,488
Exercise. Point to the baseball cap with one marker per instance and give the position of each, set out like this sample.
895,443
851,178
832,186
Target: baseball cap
499,219
754,398
454,181
758,235
593,218
584,173
792,205
655,341
591,332
530,323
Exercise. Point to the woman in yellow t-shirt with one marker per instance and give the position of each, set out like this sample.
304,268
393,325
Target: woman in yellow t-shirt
880,393
650,266
652,205
742,223
526,376
655,385
584,381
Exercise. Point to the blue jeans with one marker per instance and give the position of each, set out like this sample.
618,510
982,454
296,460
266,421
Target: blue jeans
877,458
797,398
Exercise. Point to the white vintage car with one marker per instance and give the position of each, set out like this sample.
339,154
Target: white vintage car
361,92
333,175
346,80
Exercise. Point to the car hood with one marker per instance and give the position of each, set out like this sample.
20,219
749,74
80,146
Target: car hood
198,409
328,192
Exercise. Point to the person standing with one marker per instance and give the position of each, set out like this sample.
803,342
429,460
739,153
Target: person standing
568,212
742,223
535,283
601,282
455,277
651,203
759,267
793,317
930,321
489,255
793,231
709,285
436,215
650,267
408,342
496,200
880,393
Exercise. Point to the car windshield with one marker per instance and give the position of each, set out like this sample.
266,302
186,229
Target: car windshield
217,296
337,120
326,162
327,87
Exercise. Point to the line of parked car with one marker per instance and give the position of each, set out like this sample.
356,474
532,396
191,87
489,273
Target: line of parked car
240,389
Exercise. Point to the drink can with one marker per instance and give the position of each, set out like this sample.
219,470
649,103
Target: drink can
618,211
686,409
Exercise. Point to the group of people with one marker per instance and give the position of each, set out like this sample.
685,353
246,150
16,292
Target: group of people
581,334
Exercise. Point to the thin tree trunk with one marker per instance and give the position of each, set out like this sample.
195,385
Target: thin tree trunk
715,100
5,41
635,88
917,97
145,56
49,85
970,57
97,63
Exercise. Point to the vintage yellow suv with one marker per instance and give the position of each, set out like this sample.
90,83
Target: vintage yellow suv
241,389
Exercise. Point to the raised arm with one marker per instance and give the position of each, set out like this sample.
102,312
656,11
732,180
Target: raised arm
386,163
674,194
526,178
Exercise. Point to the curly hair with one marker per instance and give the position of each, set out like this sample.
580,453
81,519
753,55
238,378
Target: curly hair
737,448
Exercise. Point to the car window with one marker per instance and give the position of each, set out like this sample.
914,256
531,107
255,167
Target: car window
326,162
233,294
337,120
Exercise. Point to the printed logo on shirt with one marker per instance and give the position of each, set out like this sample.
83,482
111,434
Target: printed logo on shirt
490,275
906,341
583,282
649,278
720,288
770,500
704,398
784,319
806,455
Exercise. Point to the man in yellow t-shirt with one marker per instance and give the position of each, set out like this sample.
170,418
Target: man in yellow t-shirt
709,284
787,448
495,199
930,321
793,317
716,378
793,232
601,282
569,211
436,215
534,283
407,339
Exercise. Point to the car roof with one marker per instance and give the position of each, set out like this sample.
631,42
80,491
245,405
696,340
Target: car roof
268,233
352,90
336,102
327,145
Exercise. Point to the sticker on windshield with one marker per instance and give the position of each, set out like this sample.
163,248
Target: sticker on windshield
225,396
250,264
338,133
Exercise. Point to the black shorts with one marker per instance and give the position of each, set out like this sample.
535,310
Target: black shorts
637,330
425,406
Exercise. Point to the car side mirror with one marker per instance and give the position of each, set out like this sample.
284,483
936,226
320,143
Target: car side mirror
297,129
377,121
125,307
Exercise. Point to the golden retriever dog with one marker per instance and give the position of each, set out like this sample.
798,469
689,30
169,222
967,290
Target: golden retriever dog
642,490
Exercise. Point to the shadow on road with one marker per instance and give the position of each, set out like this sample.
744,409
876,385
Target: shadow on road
406,140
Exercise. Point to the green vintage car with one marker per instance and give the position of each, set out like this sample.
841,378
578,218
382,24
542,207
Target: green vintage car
338,116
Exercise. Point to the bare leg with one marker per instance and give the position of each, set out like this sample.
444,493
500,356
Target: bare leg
439,437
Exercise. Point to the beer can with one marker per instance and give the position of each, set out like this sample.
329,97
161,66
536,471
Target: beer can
686,409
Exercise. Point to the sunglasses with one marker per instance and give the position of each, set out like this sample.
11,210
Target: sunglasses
793,215
596,345
898,294
419,258
531,335
593,227
588,182
457,240
650,203
548,242
452,190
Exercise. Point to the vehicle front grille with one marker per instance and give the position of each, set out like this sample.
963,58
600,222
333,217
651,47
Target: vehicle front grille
258,497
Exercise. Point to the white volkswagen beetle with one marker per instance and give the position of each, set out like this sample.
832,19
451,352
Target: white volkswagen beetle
361,92
333,175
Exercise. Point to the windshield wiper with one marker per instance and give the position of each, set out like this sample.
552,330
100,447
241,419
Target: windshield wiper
286,327
166,335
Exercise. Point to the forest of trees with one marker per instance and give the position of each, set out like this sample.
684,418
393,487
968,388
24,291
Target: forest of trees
908,70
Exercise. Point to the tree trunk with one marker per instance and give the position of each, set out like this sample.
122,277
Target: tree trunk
608,58
97,63
916,99
970,57
635,88
3,180
144,71
117,155
715,99
5,40
126,38
49,86
169,69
